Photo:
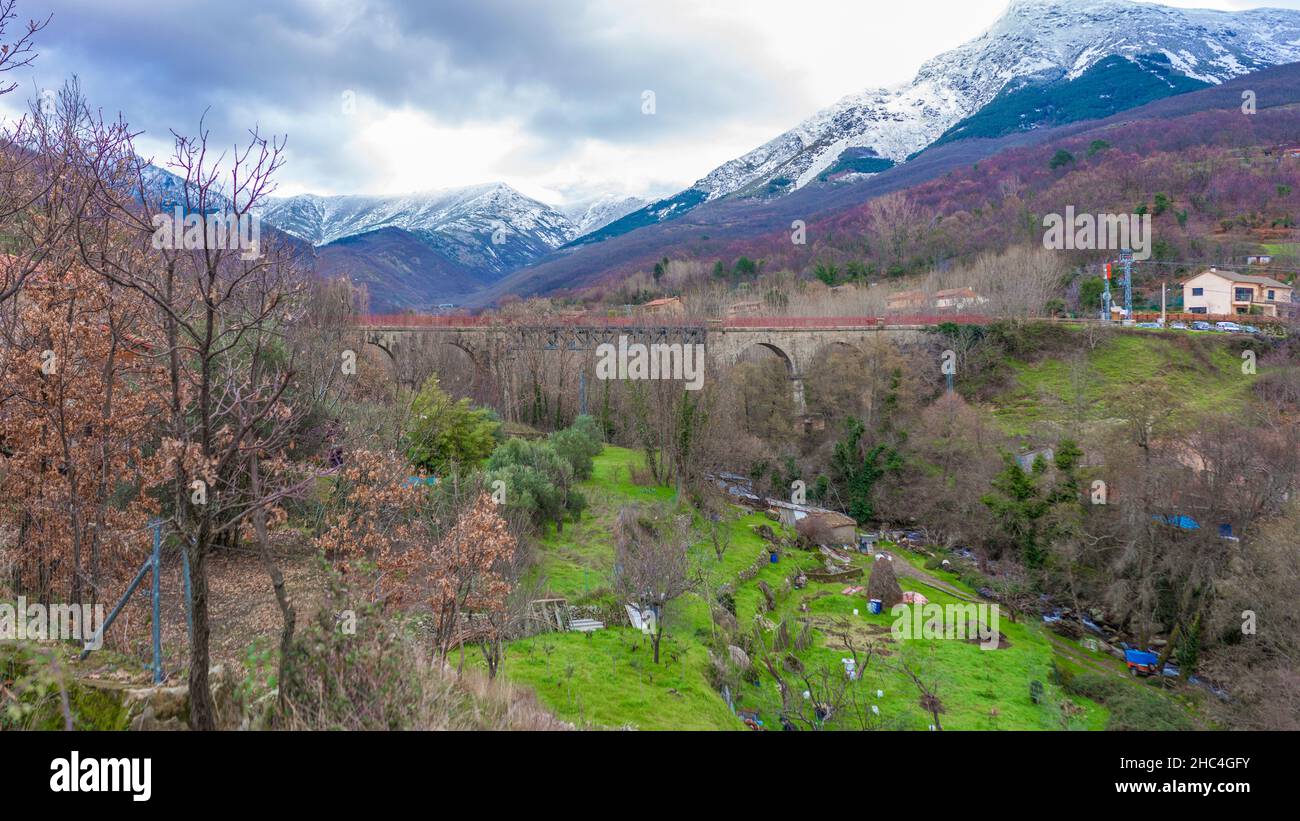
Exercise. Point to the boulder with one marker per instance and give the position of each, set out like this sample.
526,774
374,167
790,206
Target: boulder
739,658
1066,627
160,704
147,721
765,533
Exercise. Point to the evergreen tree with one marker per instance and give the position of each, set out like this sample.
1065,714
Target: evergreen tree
446,433
857,470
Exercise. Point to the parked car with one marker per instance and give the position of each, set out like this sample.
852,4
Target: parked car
1200,325
1148,325
1228,327
1178,326
1250,329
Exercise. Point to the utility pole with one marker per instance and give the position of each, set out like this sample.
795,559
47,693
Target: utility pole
1105,296
1164,289
1126,257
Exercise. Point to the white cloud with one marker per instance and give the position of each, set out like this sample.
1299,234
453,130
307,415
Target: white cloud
544,97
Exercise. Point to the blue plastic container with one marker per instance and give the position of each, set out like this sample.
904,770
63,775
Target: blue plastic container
874,606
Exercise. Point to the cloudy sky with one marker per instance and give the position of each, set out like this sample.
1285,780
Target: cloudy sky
384,96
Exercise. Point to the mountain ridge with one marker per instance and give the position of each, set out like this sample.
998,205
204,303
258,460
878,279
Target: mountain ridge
715,228
1034,41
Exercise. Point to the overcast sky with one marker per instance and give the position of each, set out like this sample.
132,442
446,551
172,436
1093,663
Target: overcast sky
383,96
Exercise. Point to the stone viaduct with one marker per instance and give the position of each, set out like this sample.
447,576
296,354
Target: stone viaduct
796,341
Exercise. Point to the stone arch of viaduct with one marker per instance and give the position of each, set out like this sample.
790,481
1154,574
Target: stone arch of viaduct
798,348
404,346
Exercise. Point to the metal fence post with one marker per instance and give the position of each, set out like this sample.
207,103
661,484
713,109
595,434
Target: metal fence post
156,561
98,638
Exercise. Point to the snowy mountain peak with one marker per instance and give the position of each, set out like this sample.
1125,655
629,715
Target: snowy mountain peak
487,208
1034,40
595,214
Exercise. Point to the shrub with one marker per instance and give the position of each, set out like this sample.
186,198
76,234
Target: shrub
539,483
1131,707
587,425
1061,158
380,678
578,445
1063,676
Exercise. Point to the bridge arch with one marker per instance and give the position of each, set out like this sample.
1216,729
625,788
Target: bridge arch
402,350
766,345
386,343
788,357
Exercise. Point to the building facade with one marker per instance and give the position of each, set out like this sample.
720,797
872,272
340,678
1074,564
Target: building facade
1224,293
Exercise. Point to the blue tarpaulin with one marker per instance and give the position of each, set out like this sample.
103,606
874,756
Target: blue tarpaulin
1185,522
1139,657
1188,523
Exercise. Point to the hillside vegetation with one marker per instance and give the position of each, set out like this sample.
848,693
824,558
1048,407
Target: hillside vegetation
607,679
1077,382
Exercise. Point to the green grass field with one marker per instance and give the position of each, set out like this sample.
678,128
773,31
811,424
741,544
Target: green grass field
608,679
1200,371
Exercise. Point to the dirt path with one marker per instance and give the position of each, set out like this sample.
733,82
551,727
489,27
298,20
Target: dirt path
902,567
1078,657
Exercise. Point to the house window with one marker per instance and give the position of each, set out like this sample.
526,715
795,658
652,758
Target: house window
1272,296
1242,294
1198,292
1200,310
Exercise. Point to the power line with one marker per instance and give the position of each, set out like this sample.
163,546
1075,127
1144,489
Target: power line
1208,265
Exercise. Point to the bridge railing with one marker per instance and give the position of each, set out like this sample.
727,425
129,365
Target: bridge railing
461,321
738,322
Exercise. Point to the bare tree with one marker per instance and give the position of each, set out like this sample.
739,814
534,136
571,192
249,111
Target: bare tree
222,294
652,567
45,184
894,228
17,52
928,689
831,692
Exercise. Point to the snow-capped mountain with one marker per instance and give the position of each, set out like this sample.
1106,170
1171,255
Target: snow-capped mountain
485,208
491,227
1039,41
493,221
596,214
